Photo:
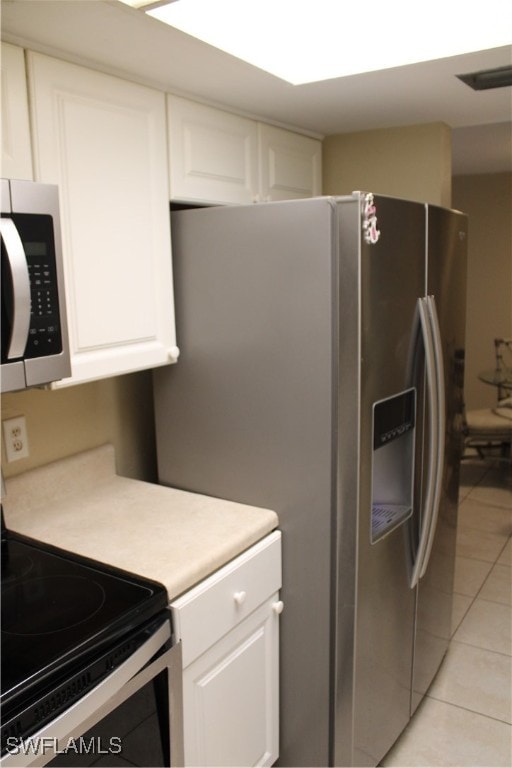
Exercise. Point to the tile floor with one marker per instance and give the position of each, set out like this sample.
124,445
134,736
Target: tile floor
466,718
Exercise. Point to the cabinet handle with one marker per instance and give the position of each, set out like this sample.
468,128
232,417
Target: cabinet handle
278,607
239,597
174,353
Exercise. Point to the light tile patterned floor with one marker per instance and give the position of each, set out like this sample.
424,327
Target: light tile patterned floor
466,718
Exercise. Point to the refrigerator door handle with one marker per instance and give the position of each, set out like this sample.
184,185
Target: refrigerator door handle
440,429
431,378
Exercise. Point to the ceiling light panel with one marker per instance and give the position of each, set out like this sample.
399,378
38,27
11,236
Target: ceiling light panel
308,42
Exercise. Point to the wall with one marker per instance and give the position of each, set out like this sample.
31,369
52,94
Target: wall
487,199
73,419
413,162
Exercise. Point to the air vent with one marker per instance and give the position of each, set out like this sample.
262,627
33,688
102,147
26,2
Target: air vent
63,697
488,78
119,655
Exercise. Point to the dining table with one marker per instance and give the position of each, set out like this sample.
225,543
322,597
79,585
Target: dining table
500,378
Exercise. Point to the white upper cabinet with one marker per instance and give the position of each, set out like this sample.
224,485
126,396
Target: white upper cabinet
103,141
213,154
16,150
219,157
290,164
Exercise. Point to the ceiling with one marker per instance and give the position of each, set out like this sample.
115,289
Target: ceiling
121,40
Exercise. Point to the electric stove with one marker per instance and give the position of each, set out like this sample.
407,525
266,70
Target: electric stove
67,623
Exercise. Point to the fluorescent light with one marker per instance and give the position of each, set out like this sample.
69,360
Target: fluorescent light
305,42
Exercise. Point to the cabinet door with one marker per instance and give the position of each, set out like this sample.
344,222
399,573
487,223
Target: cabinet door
230,696
16,150
290,164
103,141
213,154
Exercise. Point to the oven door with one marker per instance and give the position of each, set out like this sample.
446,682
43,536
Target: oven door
133,717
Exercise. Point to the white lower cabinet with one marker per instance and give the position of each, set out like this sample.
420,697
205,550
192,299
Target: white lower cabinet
229,629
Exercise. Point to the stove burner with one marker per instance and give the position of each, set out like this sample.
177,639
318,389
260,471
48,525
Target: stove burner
49,604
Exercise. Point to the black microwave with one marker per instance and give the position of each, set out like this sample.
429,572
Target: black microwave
35,349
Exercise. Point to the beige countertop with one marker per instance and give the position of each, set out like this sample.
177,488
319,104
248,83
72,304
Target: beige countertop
175,537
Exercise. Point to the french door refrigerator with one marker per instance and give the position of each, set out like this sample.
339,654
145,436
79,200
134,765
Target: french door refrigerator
321,376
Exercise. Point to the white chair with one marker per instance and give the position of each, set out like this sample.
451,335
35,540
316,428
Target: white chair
489,430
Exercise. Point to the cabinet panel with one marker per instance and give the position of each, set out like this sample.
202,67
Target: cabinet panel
291,164
16,149
231,698
213,154
103,141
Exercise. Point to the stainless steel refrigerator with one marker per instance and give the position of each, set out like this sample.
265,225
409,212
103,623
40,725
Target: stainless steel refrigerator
320,375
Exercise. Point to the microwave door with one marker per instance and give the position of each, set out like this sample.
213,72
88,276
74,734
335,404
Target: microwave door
15,306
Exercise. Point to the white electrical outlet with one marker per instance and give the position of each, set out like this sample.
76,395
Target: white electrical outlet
15,438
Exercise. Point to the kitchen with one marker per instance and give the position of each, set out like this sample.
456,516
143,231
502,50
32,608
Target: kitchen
118,410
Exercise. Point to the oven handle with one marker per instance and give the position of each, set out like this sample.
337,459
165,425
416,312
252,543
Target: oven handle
71,722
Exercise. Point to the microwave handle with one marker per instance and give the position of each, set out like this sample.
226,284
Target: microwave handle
21,288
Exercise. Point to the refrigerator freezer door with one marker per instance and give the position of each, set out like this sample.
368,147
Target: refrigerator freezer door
375,621
247,414
446,275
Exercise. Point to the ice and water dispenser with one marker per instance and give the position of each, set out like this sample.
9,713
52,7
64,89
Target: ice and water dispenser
394,422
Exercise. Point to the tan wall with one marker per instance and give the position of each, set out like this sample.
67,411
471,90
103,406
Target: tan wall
67,421
487,199
412,162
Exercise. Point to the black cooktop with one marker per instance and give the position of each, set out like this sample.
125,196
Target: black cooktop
59,612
